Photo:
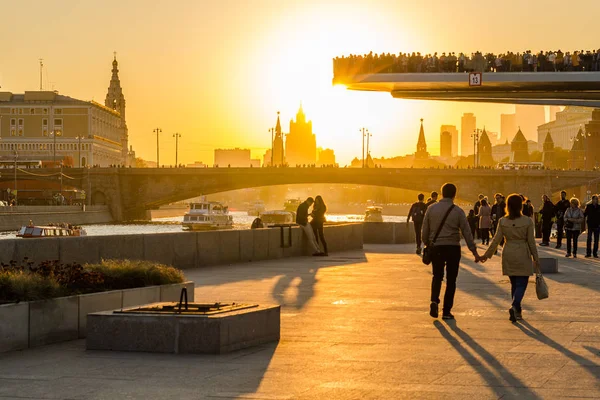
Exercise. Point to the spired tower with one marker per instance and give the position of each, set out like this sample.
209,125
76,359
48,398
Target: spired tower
484,150
519,148
115,100
548,157
592,141
278,157
577,153
421,145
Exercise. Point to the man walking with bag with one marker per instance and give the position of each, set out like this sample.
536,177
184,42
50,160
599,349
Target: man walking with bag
442,226
417,213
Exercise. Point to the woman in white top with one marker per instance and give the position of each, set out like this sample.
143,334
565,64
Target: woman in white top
573,223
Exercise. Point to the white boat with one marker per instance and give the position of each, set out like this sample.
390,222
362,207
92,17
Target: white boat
373,214
291,205
62,230
207,215
256,208
276,217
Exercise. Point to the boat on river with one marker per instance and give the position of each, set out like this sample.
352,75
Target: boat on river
256,208
276,217
291,205
374,214
206,216
63,230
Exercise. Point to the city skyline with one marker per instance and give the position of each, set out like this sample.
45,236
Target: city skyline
224,93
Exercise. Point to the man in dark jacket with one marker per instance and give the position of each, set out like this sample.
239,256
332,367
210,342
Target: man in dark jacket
561,207
476,210
592,219
498,210
432,200
417,213
302,220
548,212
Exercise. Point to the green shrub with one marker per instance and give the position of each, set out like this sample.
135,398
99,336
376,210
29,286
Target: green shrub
18,286
126,274
51,279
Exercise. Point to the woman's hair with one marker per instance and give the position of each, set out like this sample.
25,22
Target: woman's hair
514,205
484,202
575,200
320,203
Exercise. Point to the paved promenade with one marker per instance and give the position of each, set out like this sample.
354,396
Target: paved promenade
355,326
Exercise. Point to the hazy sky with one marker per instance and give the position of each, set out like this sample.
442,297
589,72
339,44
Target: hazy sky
218,71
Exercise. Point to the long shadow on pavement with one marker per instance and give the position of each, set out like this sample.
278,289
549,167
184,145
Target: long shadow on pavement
536,334
496,376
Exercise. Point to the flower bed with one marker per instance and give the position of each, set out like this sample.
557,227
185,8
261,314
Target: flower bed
50,279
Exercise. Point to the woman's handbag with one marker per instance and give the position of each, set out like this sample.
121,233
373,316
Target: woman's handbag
541,289
429,250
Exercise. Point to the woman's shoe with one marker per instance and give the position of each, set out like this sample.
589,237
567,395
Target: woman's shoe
513,315
574,255
519,315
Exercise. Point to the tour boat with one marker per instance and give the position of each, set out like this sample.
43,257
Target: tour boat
291,205
256,208
33,231
271,218
373,214
207,215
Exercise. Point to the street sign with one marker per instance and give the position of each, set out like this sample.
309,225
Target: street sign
475,79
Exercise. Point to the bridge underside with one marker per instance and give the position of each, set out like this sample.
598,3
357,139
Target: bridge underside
541,88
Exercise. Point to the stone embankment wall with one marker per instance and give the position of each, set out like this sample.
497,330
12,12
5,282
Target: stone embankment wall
388,233
13,218
182,250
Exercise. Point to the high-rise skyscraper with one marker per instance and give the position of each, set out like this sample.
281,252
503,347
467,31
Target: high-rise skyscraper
454,132
528,120
445,144
468,123
301,143
508,127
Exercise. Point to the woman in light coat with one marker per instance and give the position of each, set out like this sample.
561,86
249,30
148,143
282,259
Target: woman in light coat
485,221
574,218
518,252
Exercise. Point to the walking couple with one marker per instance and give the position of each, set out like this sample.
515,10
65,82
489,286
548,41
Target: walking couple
313,230
442,228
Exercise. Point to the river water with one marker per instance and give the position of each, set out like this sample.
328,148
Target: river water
173,224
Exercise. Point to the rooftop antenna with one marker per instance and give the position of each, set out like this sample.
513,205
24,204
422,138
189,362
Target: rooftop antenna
41,69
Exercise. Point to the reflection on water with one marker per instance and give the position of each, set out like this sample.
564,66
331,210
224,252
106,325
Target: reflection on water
173,224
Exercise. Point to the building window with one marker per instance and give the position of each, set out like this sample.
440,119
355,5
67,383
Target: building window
58,121
45,111
13,110
32,110
13,122
13,131
45,127
20,111
58,111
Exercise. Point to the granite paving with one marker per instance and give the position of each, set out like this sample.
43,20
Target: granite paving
355,325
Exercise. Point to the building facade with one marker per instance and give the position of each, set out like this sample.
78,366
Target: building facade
528,119
326,157
564,129
468,124
454,133
301,142
52,128
235,158
446,144
508,127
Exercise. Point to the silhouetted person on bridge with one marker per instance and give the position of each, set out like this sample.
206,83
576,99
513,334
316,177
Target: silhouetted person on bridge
446,253
417,213
302,220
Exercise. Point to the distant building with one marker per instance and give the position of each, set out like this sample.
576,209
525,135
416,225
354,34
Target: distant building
421,144
301,143
454,132
508,126
267,158
592,141
84,132
529,118
278,156
553,111
484,151
196,164
468,123
519,148
446,144
326,157
548,156
235,158
564,129
577,153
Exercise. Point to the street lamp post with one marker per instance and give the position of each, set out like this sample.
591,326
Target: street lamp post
475,136
176,136
16,192
157,131
368,150
364,132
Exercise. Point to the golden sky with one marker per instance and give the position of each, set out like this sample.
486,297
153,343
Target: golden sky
218,71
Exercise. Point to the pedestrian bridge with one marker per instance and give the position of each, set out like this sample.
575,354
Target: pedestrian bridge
130,192
542,88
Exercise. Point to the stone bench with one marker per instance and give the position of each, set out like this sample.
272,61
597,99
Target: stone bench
549,265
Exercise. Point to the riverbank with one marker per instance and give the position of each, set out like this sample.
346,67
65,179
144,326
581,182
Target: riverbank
13,218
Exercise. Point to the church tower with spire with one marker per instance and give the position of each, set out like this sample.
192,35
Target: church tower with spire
548,157
484,150
278,156
115,100
421,144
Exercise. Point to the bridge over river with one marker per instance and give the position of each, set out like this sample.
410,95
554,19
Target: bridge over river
131,192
